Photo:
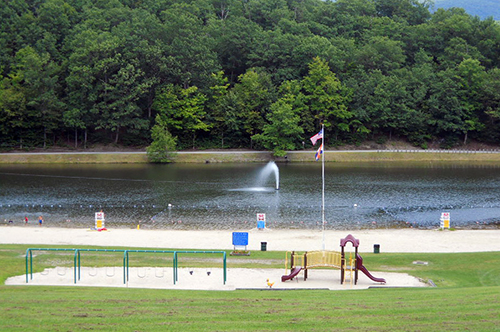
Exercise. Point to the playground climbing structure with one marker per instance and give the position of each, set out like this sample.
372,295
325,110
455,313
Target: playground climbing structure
349,265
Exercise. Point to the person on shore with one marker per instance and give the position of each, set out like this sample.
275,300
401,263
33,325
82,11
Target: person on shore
40,220
26,219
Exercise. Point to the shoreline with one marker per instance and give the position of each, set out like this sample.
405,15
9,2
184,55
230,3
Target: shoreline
368,156
186,227
389,240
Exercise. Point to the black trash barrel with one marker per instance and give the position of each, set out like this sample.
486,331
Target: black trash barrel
376,248
263,246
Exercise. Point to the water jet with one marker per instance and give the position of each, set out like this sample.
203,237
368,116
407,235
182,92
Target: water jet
269,169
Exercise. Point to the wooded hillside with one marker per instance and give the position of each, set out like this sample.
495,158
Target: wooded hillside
260,74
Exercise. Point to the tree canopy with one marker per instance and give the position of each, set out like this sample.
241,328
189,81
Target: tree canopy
261,74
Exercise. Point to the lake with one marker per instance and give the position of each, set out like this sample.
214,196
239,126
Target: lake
228,196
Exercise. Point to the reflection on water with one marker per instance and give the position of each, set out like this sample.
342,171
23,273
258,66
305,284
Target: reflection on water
227,196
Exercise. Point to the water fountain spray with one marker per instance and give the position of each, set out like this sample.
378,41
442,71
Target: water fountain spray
270,168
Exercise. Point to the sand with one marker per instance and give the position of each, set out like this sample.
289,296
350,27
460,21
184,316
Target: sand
388,240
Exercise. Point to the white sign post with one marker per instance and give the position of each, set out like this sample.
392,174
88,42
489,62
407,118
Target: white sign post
445,220
99,220
261,221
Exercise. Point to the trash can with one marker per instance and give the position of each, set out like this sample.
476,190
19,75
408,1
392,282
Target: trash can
263,246
376,248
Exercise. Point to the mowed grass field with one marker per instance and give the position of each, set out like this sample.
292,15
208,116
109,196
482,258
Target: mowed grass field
467,299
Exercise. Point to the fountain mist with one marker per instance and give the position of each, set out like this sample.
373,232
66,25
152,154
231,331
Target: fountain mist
269,169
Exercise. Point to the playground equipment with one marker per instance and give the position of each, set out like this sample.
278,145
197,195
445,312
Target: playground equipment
329,259
110,272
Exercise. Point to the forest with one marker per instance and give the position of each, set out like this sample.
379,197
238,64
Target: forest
251,74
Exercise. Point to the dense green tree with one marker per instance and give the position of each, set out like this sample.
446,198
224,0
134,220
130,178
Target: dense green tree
451,103
107,80
274,52
82,88
118,106
73,118
283,132
326,98
223,118
412,11
12,26
267,13
381,53
56,18
472,78
458,50
182,110
144,42
12,108
41,90
163,144
491,102
254,93
352,18
191,58
235,39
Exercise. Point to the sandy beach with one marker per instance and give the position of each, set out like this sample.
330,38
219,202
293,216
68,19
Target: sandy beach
388,240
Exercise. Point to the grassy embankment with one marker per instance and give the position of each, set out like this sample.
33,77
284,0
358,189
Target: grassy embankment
216,156
468,298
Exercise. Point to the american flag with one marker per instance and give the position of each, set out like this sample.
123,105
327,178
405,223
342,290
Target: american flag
316,137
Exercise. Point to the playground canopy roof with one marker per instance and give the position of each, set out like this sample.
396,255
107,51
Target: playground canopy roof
349,238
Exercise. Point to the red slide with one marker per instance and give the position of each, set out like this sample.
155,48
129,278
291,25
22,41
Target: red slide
292,274
362,268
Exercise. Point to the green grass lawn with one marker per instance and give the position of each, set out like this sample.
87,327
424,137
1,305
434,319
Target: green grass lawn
467,298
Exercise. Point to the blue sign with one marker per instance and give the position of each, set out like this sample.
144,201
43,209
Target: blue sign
240,239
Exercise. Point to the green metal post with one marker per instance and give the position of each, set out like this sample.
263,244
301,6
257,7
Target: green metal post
31,264
74,263
27,250
79,265
175,266
124,276
225,274
125,267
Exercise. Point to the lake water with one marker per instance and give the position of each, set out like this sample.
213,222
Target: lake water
227,196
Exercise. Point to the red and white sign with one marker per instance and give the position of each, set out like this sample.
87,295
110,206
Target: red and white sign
445,220
261,217
99,220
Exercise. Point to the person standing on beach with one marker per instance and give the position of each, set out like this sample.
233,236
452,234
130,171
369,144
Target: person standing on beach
26,219
40,220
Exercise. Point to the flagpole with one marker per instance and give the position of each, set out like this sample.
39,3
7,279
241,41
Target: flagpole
323,176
